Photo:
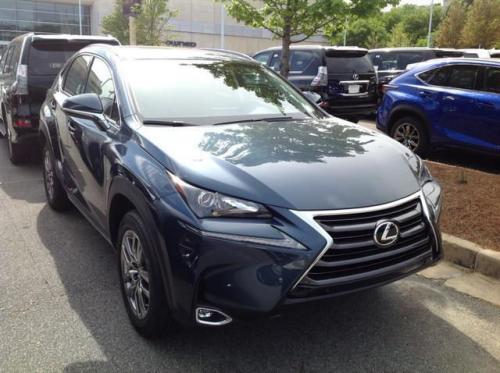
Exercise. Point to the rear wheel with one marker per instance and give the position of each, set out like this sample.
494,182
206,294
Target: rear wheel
56,195
142,288
17,153
410,132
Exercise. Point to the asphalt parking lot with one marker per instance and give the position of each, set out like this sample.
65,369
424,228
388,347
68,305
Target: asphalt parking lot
61,310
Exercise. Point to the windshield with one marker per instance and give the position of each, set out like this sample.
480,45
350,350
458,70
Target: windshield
210,92
395,60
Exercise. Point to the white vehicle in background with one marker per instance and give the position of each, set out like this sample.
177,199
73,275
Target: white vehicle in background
476,53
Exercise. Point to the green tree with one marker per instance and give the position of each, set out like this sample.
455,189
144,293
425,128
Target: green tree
152,18
116,23
482,28
399,38
449,33
294,21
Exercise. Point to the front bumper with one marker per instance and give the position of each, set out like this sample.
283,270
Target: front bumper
246,280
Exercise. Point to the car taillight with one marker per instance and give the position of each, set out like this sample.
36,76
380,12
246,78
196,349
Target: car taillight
321,79
22,80
388,87
22,122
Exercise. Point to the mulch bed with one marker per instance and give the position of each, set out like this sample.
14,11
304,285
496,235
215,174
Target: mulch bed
471,208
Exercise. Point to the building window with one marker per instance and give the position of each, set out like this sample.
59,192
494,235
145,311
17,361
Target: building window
20,16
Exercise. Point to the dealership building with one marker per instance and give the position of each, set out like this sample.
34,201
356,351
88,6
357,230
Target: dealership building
201,23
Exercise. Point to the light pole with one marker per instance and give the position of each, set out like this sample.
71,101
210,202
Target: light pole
80,16
221,26
429,35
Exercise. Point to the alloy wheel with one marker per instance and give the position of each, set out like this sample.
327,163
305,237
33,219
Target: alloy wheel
135,275
408,135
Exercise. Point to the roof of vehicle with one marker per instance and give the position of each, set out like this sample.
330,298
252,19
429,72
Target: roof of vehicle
447,61
317,47
35,36
125,52
411,49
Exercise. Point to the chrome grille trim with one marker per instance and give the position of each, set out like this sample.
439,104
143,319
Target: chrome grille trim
309,218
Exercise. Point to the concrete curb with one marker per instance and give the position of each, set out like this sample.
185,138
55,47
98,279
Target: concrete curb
472,256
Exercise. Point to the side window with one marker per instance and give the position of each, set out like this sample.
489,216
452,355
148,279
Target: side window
463,77
440,77
101,83
492,80
76,76
275,61
7,61
263,57
426,76
304,62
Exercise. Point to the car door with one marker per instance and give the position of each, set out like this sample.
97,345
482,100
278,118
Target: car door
74,82
5,83
456,100
89,140
487,107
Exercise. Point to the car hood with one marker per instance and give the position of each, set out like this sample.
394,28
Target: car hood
303,165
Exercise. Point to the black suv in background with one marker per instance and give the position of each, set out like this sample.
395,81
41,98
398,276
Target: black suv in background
343,76
390,62
28,67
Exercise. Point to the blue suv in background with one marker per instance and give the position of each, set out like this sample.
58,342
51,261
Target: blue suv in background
452,102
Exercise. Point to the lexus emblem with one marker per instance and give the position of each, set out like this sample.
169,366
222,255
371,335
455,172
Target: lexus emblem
386,233
355,76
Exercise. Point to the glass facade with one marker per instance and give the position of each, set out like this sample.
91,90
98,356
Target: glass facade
20,16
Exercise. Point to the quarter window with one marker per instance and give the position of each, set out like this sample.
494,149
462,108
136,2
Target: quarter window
263,57
304,62
77,76
100,82
492,81
7,68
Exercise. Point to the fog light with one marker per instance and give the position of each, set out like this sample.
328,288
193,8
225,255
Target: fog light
210,316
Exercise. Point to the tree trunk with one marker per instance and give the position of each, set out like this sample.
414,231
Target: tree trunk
285,50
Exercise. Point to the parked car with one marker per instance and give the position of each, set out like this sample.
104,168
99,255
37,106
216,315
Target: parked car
248,202
444,102
27,69
343,76
475,53
391,62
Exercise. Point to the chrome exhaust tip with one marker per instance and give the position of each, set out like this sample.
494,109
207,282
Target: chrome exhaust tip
210,316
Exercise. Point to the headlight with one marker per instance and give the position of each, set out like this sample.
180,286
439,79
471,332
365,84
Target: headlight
207,204
432,194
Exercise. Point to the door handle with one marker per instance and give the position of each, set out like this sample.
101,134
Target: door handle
53,104
449,98
425,94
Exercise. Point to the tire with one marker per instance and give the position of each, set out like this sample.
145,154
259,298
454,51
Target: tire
54,191
410,132
17,152
140,280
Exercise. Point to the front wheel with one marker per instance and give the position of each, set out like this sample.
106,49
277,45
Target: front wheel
54,191
410,132
142,288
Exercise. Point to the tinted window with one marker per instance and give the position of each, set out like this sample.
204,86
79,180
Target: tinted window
342,65
427,75
224,91
263,57
492,81
304,62
395,60
77,75
275,62
47,58
440,77
470,55
100,82
7,67
463,77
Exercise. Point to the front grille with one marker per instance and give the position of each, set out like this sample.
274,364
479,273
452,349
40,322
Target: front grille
354,256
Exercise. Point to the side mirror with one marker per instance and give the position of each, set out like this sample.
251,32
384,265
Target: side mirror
312,96
86,105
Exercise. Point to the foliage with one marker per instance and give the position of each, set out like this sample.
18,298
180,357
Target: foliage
449,33
399,38
152,17
297,20
116,23
482,28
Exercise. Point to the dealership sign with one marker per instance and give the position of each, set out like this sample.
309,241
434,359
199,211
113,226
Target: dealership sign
180,43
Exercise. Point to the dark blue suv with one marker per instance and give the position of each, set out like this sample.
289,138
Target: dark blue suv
226,193
444,102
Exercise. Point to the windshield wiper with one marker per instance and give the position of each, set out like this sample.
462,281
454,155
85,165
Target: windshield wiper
270,119
171,123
